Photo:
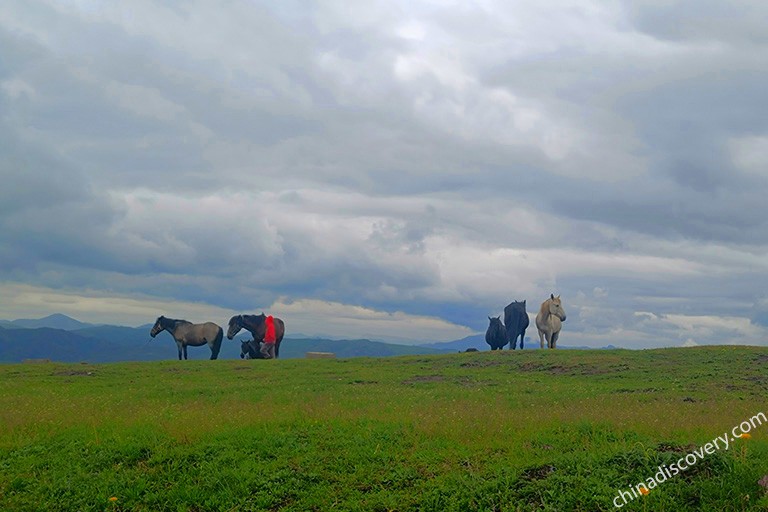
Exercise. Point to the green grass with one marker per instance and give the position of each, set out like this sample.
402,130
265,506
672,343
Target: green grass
531,430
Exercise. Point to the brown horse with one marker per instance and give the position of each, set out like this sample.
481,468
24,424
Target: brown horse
186,333
256,325
549,320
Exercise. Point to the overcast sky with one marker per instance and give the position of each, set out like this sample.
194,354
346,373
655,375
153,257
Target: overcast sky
391,170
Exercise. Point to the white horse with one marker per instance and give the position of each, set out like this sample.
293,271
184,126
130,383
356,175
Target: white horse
549,320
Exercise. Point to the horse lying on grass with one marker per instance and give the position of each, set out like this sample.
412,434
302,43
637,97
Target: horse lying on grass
256,325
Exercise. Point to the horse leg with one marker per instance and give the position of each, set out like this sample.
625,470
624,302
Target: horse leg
185,352
215,351
522,339
541,337
178,346
555,335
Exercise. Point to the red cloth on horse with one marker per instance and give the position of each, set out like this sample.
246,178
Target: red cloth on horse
269,330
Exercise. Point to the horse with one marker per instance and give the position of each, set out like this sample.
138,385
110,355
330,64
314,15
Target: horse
186,334
496,336
516,321
250,349
549,320
256,325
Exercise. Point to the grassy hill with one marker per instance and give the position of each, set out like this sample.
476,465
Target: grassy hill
532,430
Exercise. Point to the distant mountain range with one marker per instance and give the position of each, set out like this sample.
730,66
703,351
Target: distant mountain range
477,341
55,321
61,338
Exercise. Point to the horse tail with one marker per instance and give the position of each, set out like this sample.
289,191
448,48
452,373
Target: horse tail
510,324
217,343
279,333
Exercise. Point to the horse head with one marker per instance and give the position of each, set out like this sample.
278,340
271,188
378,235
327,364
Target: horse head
158,327
496,321
556,307
235,324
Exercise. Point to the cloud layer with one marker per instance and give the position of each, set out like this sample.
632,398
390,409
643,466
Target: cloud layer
415,165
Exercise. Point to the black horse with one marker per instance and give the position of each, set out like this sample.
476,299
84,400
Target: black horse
496,336
516,322
256,325
250,349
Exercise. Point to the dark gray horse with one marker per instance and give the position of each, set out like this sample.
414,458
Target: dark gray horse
186,333
250,349
255,324
516,321
496,336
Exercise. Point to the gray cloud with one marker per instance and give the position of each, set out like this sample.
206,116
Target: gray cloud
435,160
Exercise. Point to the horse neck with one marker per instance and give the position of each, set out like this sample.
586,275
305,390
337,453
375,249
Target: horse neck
168,324
173,325
252,322
544,312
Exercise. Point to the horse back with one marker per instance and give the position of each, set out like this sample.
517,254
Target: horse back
516,319
199,333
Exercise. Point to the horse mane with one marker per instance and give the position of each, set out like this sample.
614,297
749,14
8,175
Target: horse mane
544,310
254,320
172,322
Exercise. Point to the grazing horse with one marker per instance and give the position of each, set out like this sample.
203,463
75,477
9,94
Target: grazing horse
256,325
186,333
496,336
549,320
516,321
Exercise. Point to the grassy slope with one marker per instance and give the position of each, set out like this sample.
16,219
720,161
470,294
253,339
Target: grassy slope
533,430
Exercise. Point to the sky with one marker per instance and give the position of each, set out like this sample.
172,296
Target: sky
396,170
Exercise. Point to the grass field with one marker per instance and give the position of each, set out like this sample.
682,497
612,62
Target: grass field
532,430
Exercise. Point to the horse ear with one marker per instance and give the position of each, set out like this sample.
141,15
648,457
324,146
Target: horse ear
552,296
558,297
489,318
